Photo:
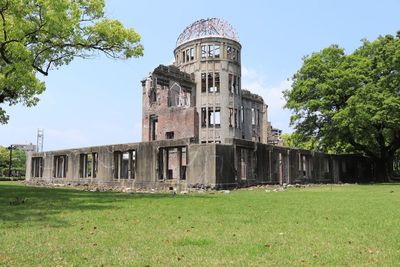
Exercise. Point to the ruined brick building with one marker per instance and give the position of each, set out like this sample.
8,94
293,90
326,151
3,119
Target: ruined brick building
199,129
200,96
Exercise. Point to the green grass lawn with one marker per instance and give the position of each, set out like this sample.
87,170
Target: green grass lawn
348,225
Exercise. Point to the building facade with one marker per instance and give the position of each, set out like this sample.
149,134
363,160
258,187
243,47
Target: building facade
208,55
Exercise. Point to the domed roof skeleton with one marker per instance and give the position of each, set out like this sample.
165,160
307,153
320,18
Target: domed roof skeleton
212,27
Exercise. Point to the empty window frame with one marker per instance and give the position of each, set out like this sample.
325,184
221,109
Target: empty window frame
231,118
253,116
210,117
169,135
153,127
210,82
203,82
231,53
217,51
241,115
37,167
153,96
236,118
204,51
172,162
214,117
230,83
235,84
217,117
60,166
125,164
187,55
216,82
203,117
88,165
183,164
191,53
210,49
183,56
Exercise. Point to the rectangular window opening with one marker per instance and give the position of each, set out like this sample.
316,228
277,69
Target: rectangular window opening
203,117
217,82
153,127
37,167
230,83
210,82
191,54
203,82
183,163
217,51
60,166
217,117
231,122
132,167
125,164
204,52
234,89
187,55
210,117
210,51
169,135
236,119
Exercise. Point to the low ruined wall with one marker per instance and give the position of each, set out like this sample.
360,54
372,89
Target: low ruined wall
182,164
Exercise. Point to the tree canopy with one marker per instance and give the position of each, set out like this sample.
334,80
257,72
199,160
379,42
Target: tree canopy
18,161
350,102
37,36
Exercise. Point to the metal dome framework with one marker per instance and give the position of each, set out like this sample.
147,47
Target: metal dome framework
212,27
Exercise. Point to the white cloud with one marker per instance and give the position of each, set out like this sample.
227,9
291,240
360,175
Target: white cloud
256,82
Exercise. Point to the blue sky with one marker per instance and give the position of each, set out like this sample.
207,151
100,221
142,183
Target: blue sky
98,101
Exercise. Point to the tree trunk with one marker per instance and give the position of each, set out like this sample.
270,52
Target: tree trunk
384,168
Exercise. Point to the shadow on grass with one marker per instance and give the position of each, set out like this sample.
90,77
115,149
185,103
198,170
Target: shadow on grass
20,203
382,183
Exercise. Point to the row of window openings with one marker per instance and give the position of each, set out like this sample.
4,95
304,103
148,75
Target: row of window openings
210,51
173,163
211,81
212,117
87,166
124,165
304,164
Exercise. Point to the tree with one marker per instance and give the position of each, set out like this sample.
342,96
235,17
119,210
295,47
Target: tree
18,160
294,140
351,103
37,36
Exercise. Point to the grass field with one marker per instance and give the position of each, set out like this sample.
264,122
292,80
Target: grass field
343,225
